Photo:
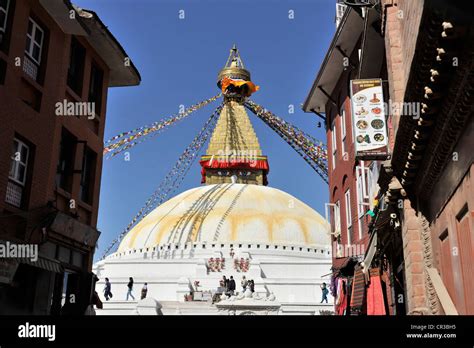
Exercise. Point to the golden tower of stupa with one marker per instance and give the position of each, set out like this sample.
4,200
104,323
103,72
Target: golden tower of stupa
234,154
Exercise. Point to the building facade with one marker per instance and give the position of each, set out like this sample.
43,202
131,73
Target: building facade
431,64
52,113
353,182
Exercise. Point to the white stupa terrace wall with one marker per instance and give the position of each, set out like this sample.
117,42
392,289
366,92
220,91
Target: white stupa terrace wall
292,273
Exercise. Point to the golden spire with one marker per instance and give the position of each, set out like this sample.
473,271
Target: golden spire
234,153
234,67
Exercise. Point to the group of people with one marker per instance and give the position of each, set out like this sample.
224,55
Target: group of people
229,285
108,287
247,283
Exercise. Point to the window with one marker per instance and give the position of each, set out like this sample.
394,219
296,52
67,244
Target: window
66,160
77,258
343,131
336,227
334,144
34,46
347,202
3,15
95,87
17,174
337,218
88,175
347,197
19,162
34,41
361,177
64,254
3,71
340,9
75,73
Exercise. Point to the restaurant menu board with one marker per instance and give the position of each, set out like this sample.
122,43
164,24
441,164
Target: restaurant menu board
368,119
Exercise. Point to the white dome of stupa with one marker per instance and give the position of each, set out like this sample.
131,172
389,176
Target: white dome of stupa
226,213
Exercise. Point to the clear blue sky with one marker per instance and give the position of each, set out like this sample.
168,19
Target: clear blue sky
179,59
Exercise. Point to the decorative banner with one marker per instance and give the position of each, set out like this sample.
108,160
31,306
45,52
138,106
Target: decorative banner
368,119
306,146
226,162
226,82
174,178
126,140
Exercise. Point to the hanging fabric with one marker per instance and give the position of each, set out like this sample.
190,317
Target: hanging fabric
358,290
375,302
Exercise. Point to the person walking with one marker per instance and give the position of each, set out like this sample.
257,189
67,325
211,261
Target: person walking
144,291
244,283
130,288
231,285
107,288
325,292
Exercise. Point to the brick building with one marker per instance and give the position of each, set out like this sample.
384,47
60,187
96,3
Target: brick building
53,97
356,52
420,232
430,55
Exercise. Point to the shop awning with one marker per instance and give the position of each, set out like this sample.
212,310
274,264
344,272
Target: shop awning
344,265
371,250
343,44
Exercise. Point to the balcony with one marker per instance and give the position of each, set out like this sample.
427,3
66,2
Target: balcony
30,67
14,194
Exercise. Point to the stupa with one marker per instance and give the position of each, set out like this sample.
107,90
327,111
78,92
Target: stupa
232,225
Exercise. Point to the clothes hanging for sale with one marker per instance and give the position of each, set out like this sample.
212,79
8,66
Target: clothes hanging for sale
347,310
358,291
342,307
341,303
333,286
338,291
375,301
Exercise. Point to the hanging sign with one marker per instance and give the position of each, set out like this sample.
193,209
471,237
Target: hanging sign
368,120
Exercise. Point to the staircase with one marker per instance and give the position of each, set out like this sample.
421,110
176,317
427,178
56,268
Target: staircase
114,307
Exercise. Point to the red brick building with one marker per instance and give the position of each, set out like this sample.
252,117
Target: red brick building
352,185
430,55
53,97
420,233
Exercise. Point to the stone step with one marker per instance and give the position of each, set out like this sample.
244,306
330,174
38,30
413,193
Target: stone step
117,307
122,304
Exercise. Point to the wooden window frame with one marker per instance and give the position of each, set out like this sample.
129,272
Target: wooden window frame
29,50
13,175
3,28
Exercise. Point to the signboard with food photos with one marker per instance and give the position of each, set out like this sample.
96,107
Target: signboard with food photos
368,119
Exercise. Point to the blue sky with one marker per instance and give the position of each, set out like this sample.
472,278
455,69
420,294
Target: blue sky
179,59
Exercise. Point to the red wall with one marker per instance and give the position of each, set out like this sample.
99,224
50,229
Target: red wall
43,128
343,177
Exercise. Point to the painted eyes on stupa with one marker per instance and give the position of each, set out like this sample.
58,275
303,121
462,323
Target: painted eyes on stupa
228,173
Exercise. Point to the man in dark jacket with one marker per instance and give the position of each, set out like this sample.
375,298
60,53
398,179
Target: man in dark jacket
231,285
107,289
